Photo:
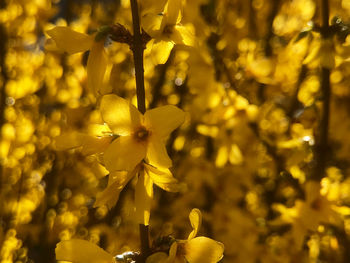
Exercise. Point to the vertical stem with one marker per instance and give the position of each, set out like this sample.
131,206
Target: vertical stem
145,249
137,49
321,151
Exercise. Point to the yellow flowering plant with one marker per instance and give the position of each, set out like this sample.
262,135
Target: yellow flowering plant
239,108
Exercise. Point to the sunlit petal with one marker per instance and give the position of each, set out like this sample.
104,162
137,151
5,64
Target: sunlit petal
163,178
183,35
196,222
174,11
69,141
69,40
96,67
203,250
124,154
81,251
161,50
163,120
143,198
110,195
157,154
120,115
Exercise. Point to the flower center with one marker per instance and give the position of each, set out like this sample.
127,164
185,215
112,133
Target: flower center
141,134
168,30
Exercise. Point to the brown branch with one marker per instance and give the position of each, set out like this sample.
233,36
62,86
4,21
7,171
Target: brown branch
322,147
137,49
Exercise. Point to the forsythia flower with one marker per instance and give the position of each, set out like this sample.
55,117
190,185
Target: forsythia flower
82,251
117,181
194,249
167,30
141,136
307,215
71,42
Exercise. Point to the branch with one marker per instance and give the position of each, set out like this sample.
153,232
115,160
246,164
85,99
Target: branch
322,148
137,48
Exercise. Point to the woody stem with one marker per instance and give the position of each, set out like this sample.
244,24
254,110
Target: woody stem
137,48
322,140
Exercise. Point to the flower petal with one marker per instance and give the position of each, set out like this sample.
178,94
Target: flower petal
81,251
124,154
96,67
203,250
196,222
174,12
69,141
92,145
163,178
157,258
163,120
183,35
69,40
157,154
120,115
151,23
110,195
143,198
161,50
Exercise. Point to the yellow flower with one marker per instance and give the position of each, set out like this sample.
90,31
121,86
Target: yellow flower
71,42
167,30
82,251
194,249
307,215
149,175
141,136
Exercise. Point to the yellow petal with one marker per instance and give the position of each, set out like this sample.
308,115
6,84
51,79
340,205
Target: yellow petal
196,222
163,178
157,154
174,11
96,67
183,35
123,154
143,198
110,195
69,40
203,250
69,141
172,252
161,50
92,145
81,251
159,257
120,115
163,120
151,24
